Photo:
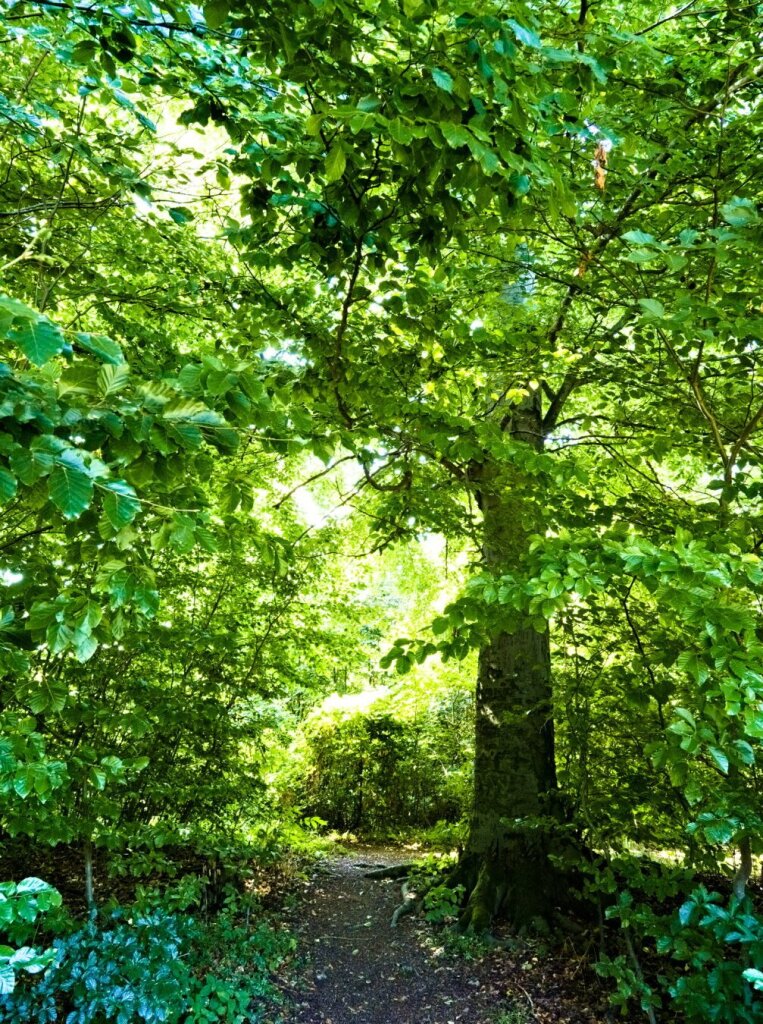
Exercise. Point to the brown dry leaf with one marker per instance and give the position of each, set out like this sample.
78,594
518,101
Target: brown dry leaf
600,167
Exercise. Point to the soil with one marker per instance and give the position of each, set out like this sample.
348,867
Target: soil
356,969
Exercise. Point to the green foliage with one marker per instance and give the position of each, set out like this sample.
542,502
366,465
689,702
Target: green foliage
20,905
517,1014
369,763
441,903
153,966
707,948
358,243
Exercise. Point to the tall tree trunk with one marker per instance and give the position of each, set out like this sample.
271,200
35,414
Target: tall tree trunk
505,864
87,854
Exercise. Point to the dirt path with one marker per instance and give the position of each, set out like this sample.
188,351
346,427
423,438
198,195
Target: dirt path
360,971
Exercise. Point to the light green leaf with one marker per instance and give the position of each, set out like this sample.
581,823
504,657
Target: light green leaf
720,759
442,79
755,978
336,161
33,885
526,36
653,309
639,238
112,378
689,662
455,134
7,977
740,213
101,346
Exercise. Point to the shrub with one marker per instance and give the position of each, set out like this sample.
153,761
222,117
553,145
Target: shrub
153,967
701,955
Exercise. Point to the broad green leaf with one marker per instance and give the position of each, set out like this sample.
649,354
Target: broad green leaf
740,213
639,237
720,759
101,346
216,12
113,378
336,162
70,489
442,79
653,308
38,338
689,662
120,504
456,134
526,36
181,214
7,977
33,885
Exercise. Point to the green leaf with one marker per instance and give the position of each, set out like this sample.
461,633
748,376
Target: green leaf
336,161
70,489
38,338
8,485
720,759
740,213
33,885
524,35
720,831
745,752
639,238
7,977
180,214
442,79
653,309
689,662
400,132
112,378
755,978
216,12
456,134
101,346
120,504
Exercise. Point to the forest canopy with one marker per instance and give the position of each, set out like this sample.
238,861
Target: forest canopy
380,451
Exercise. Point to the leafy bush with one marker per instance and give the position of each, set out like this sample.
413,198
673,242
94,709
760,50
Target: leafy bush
234,964
702,956
155,968
20,905
366,765
130,971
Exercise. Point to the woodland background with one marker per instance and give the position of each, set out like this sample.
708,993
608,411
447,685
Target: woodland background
350,352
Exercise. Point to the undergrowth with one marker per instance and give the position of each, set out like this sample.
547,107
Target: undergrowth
154,963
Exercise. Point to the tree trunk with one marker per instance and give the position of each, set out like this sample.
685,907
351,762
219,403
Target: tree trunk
87,854
505,866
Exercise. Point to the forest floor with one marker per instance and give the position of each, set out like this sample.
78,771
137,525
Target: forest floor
356,969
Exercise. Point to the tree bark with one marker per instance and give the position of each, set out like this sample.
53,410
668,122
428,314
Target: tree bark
505,866
87,854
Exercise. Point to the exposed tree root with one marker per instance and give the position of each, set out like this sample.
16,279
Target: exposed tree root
395,871
409,905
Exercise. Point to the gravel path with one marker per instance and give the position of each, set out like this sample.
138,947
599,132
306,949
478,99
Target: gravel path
358,970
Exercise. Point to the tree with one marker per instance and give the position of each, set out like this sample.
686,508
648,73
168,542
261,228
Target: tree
450,177
502,261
